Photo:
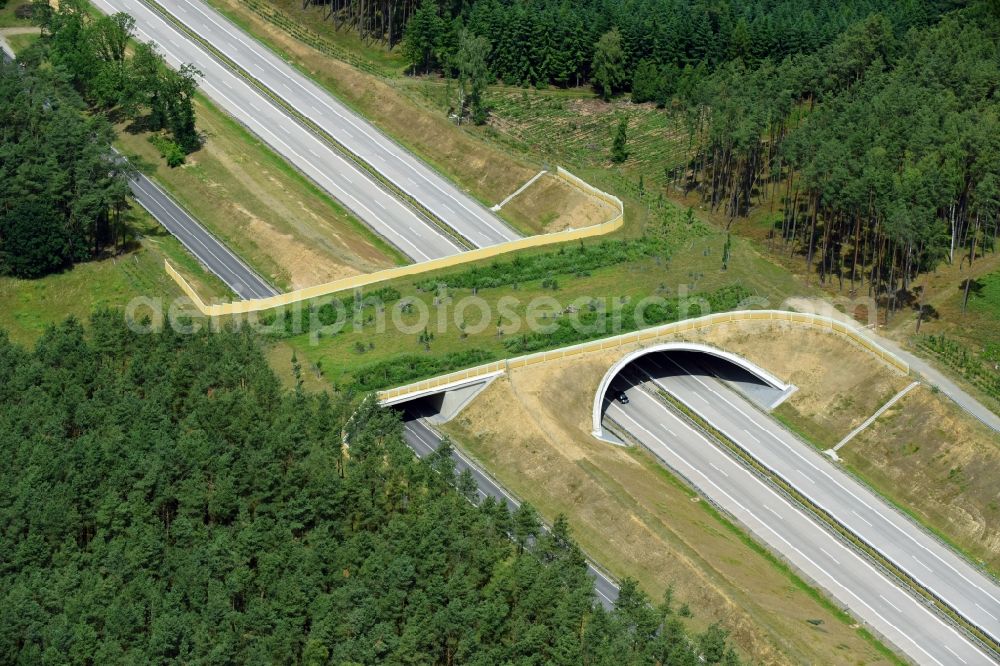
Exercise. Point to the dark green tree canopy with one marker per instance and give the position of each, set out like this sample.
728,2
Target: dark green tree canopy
163,500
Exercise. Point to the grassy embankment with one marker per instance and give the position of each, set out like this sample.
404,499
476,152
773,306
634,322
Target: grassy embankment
278,221
693,264
638,519
27,307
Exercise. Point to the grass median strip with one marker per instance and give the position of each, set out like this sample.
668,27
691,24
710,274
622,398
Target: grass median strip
860,545
419,208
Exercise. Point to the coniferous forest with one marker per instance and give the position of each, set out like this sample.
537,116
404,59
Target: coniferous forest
63,191
872,128
164,500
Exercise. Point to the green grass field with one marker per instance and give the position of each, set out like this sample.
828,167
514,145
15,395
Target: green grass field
695,266
7,17
21,42
28,307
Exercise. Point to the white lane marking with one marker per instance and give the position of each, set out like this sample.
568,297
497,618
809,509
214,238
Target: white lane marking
672,433
193,233
718,469
825,552
915,559
332,183
801,457
379,204
891,604
862,518
805,476
956,654
293,76
750,435
766,526
206,84
774,512
986,611
314,152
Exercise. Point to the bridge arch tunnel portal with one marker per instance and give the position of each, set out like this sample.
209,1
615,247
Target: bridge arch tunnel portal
675,358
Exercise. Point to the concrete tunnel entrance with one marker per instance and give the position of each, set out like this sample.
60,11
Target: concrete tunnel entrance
675,358
440,404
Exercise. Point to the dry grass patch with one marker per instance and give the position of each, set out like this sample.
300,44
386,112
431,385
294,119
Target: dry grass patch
275,219
930,456
551,204
533,432
486,172
839,384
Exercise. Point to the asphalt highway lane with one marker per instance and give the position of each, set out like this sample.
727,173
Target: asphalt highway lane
448,203
869,594
384,213
908,546
204,246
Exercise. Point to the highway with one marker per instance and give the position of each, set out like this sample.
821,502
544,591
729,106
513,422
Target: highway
425,441
204,246
215,256
934,565
441,197
867,592
414,236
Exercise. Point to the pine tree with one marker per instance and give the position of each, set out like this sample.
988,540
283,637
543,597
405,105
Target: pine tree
619,149
422,37
608,68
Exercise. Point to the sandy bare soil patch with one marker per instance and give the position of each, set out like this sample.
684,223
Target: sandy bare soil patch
551,204
931,457
839,384
533,432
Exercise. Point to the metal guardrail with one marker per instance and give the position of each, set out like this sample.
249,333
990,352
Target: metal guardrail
830,523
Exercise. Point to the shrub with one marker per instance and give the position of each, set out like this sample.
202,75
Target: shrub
169,150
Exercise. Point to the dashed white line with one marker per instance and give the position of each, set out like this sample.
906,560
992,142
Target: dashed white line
750,435
891,604
985,611
862,518
774,512
956,654
717,469
922,564
664,426
835,561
